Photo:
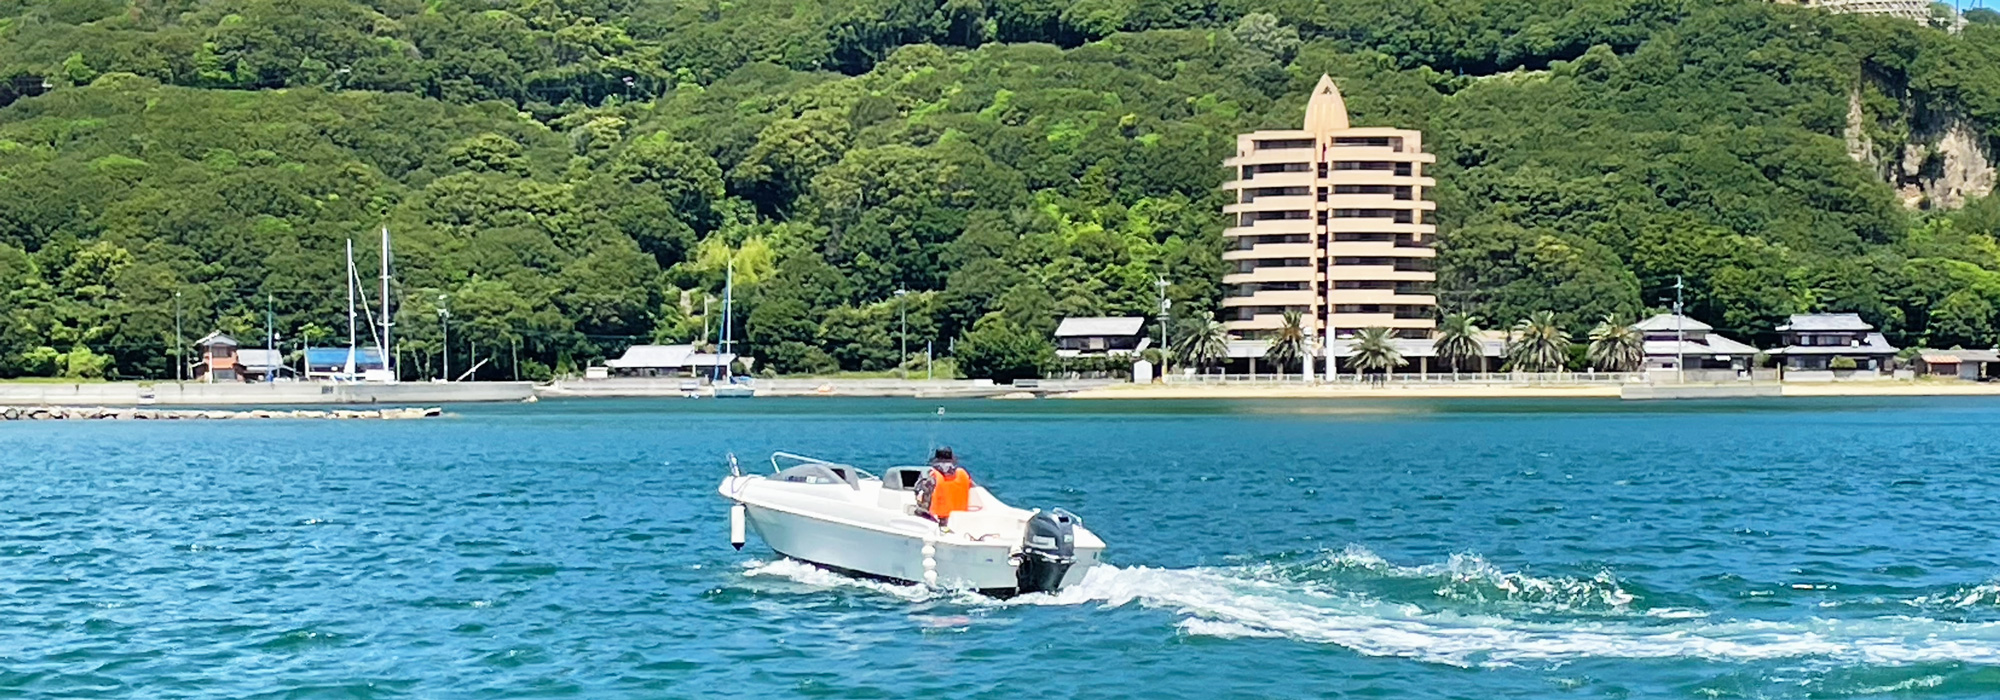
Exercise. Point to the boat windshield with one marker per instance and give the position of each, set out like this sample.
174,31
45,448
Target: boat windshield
815,473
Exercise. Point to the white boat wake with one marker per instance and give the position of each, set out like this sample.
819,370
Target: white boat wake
1251,602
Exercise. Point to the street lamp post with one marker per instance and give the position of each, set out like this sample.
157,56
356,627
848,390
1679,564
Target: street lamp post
1166,347
444,347
180,363
903,339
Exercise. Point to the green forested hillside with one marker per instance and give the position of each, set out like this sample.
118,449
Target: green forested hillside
572,176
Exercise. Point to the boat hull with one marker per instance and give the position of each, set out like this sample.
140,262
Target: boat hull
896,556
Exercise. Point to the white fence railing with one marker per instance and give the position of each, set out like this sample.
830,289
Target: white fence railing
1434,378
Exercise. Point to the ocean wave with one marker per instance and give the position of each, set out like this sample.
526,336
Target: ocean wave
1985,595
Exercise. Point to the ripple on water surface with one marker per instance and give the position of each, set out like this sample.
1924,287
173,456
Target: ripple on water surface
1434,549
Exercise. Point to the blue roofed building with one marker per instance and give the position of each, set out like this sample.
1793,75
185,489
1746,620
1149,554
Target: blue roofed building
331,363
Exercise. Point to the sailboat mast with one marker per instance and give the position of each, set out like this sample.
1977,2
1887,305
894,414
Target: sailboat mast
728,292
387,365
350,308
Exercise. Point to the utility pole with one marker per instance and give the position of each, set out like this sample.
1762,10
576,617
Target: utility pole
1166,348
903,341
444,346
387,345
270,339
180,363
929,359
1680,337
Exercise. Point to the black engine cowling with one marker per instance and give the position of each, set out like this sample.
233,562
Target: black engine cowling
1048,548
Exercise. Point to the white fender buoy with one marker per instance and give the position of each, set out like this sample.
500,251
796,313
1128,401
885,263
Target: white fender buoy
736,526
930,563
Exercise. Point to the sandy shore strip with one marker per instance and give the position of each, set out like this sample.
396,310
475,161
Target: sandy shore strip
1344,391
1499,391
1893,388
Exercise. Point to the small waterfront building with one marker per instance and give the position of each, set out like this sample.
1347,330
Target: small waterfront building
1811,342
259,365
218,359
1920,11
1959,363
1101,336
668,361
1671,340
332,363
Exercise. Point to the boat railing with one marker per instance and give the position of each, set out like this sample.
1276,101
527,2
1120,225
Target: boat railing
798,459
847,472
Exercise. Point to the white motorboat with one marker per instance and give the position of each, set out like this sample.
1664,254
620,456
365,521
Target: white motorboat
841,518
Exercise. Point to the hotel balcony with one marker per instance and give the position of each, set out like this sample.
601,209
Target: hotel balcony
1292,179
1283,202
1370,177
1376,201
1377,249
1379,154
1370,273
1274,297
1299,273
1259,322
1272,156
1378,225
1379,296
1339,320
1266,251
1271,227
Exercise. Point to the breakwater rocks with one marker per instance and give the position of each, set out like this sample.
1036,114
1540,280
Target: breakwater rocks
104,413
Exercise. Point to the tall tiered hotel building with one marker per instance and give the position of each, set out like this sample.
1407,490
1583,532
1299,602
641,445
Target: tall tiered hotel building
1330,221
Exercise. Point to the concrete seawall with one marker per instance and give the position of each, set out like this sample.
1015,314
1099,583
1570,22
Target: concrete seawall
276,394
815,386
67,413
1643,392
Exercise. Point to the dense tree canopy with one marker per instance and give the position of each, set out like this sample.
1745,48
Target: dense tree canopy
567,177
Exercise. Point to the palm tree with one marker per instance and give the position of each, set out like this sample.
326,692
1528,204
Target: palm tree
1616,346
1541,345
1290,344
1458,342
1375,350
1204,342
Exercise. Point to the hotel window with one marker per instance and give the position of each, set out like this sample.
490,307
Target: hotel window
1368,141
1322,170
1402,170
1322,194
1284,144
1365,189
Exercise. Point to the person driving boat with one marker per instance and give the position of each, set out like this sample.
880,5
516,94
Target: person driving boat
945,489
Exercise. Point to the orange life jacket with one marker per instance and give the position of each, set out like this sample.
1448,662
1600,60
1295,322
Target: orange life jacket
952,493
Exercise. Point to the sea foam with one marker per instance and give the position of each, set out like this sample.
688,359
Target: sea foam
1306,602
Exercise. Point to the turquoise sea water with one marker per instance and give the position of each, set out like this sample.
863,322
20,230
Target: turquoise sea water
1472,549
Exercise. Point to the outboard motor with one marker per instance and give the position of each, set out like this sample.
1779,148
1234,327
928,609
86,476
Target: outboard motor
1048,548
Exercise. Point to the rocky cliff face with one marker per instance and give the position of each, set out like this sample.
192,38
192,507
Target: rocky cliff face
1943,161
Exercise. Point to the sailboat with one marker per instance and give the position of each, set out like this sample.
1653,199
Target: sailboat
726,386
358,366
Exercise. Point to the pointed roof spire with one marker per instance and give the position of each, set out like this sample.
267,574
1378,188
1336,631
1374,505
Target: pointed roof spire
1326,111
